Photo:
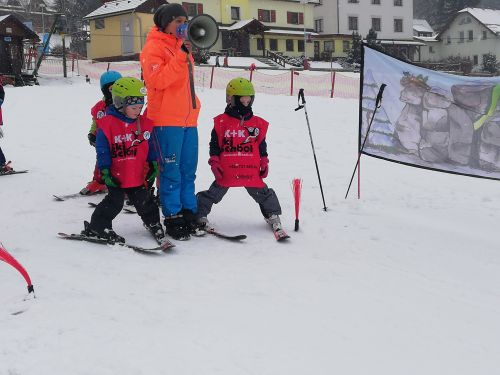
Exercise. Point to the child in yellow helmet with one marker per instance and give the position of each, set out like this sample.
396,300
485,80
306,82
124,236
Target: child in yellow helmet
238,156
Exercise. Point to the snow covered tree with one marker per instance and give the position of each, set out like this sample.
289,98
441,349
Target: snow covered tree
490,63
354,54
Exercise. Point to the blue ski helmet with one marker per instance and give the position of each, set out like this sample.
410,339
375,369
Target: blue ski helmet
109,77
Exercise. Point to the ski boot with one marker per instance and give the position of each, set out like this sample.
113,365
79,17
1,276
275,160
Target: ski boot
6,168
275,223
196,228
107,234
93,187
156,231
176,228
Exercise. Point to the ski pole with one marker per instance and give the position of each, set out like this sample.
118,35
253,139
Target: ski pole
378,103
303,106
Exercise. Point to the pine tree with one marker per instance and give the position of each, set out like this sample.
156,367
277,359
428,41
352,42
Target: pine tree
354,54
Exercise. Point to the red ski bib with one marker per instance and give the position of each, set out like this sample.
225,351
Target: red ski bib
128,148
239,143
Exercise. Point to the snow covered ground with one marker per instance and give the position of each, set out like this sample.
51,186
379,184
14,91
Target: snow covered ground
403,281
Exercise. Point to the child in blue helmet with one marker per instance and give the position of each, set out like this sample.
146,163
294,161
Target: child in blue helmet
98,111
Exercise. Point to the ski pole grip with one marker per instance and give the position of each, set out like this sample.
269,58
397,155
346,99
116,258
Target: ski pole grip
296,225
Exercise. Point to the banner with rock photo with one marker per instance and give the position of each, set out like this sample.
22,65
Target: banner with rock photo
430,119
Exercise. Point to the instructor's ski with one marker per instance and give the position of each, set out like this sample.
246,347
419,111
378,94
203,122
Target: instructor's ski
102,241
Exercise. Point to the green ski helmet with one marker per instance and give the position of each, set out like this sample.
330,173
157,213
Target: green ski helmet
128,91
240,87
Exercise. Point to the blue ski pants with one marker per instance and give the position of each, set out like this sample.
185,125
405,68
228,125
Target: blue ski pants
177,148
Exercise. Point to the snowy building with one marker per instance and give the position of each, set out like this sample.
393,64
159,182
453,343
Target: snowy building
392,20
118,29
472,33
38,15
247,27
422,28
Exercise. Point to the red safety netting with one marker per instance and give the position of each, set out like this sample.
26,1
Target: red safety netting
274,82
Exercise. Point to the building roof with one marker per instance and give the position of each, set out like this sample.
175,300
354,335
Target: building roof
239,25
290,32
488,17
115,7
27,32
426,39
422,26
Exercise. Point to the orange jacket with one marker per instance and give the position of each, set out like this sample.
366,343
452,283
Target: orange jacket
169,78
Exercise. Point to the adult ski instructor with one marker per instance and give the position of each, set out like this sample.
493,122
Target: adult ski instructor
167,67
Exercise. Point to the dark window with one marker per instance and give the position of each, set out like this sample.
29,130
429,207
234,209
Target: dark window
99,24
476,59
235,13
448,39
376,2
289,45
485,34
471,35
461,37
266,15
295,18
353,23
346,46
431,49
398,25
376,22
273,44
193,9
329,46
300,46
353,1
318,25
398,3
260,44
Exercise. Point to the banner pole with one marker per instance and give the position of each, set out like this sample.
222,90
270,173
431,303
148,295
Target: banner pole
359,179
378,103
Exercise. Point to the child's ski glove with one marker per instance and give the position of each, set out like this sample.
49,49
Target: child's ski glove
264,166
217,170
108,179
92,139
153,171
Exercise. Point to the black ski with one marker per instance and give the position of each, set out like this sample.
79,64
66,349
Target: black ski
12,172
102,241
62,198
235,238
124,209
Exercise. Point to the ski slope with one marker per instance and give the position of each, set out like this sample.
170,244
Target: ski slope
403,281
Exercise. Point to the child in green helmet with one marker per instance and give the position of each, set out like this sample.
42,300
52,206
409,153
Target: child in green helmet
123,145
238,156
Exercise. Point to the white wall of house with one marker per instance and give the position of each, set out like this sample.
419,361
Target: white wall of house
431,51
365,11
473,46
